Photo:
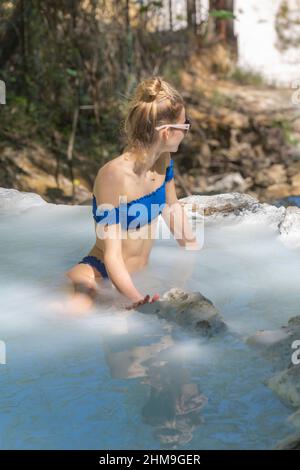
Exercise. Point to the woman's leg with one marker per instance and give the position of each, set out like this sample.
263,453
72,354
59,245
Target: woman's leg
84,284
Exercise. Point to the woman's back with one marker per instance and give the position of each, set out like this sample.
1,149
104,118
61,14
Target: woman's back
144,201
135,181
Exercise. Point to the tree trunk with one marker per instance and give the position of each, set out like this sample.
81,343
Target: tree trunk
191,15
13,33
170,15
221,28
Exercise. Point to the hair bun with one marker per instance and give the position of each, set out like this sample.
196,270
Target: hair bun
151,88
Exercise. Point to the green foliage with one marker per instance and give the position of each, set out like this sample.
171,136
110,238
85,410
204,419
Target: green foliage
152,5
222,14
171,72
246,77
71,72
85,53
219,99
287,130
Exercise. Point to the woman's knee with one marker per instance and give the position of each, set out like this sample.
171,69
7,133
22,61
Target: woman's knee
81,274
82,283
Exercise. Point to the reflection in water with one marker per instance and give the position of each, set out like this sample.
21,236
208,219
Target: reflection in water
174,402
55,392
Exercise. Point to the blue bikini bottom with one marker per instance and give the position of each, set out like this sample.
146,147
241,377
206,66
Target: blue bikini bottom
96,263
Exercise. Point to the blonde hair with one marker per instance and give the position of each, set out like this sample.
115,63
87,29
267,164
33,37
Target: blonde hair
154,102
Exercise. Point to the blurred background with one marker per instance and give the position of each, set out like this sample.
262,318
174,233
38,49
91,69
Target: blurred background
68,67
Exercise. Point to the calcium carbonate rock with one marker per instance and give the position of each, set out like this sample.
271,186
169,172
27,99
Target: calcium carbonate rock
18,201
234,206
237,206
276,345
289,227
221,204
286,385
191,310
268,337
294,419
290,443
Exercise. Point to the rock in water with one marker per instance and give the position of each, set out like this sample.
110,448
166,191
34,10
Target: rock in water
294,419
268,337
276,345
289,227
191,310
287,385
290,443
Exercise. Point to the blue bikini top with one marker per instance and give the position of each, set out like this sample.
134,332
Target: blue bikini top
137,212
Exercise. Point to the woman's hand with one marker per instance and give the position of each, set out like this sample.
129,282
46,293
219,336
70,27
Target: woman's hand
142,301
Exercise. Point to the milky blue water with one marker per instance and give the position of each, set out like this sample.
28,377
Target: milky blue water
288,201
116,379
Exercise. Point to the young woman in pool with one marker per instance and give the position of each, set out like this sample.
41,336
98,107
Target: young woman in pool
142,176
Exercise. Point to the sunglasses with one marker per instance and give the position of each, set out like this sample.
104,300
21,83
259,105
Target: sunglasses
186,126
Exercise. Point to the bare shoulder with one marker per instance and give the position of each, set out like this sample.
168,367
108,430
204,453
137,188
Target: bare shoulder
111,170
110,182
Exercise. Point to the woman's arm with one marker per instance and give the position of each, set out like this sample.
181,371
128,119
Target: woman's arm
118,272
177,220
108,187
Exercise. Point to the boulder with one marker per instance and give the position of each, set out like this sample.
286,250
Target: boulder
277,347
221,204
230,182
289,227
294,419
268,337
275,174
190,310
296,184
278,190
283,220
290,443
286,384
14,200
